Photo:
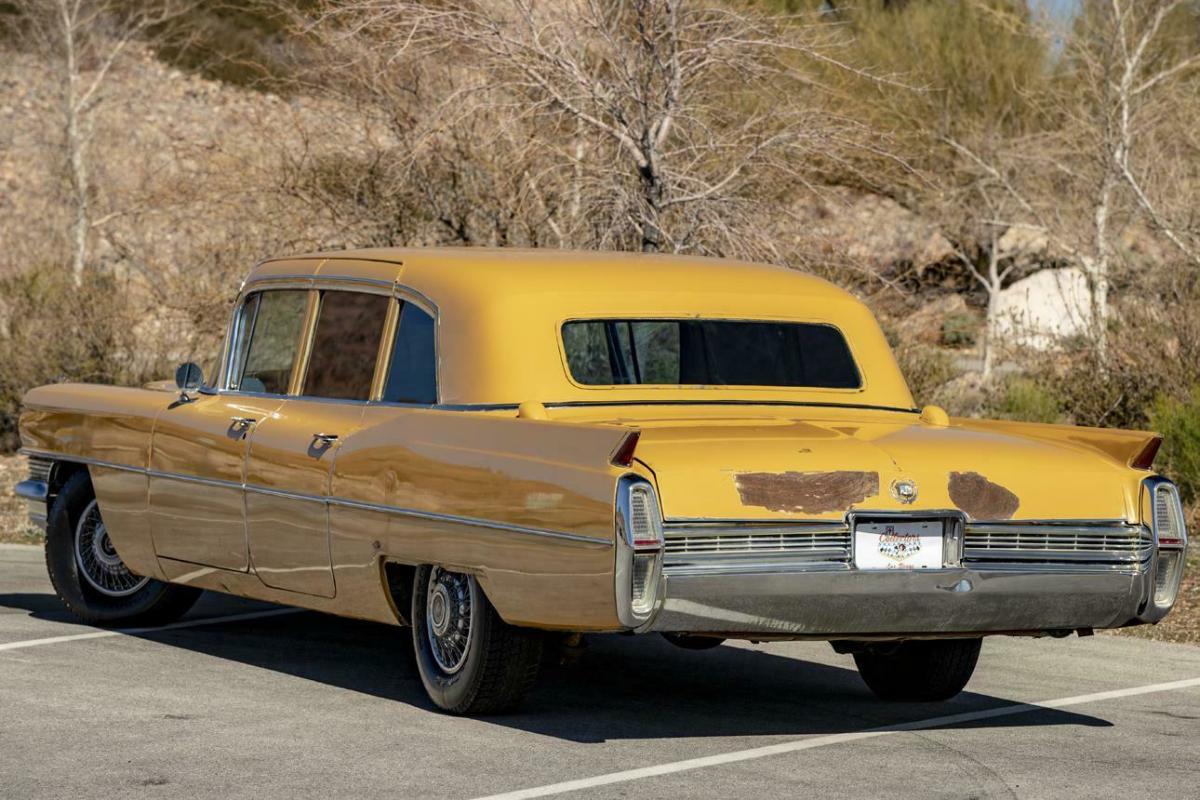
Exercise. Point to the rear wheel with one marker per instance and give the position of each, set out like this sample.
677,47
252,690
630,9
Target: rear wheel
89,576
470,660
919,671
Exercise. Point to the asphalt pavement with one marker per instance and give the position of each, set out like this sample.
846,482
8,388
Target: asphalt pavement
249,700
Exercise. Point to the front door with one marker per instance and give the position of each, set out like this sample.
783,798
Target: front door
292,453
198,450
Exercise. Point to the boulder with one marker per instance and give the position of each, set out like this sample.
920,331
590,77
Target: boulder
1045,307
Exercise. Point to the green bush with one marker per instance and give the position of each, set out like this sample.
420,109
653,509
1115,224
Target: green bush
1027,400
959,329
1179,423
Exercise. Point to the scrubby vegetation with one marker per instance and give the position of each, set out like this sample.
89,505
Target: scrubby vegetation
926,155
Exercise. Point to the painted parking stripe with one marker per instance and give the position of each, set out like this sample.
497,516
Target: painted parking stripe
838,738
191,623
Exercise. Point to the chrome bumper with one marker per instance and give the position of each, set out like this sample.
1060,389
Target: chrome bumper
845,602
799,580
34,492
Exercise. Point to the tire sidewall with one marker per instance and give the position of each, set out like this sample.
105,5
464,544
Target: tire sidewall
448,690
84,601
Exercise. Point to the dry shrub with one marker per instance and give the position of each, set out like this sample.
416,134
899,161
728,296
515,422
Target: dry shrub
927,369
1153,353
53,331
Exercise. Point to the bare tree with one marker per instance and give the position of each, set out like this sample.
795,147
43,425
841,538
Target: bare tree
1086,179
658,114
84,39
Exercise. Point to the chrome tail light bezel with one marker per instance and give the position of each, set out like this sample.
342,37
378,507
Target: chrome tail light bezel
1162,511
639,558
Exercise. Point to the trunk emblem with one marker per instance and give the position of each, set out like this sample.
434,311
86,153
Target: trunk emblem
904,490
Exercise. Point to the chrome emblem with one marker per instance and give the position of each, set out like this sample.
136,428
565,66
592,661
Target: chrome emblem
904,490
898,546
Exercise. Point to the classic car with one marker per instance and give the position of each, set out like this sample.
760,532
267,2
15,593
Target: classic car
499,448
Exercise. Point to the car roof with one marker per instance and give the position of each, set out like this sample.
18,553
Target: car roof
500,310
491,269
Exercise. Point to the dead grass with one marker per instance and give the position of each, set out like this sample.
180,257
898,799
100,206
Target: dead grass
14,523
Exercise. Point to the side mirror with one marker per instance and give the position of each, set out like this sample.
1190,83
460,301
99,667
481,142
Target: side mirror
188,378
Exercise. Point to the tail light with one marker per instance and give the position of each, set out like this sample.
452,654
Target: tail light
623,455
639,551
1145,457
1165,514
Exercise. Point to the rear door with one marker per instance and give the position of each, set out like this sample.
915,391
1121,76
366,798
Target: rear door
293,450
199,447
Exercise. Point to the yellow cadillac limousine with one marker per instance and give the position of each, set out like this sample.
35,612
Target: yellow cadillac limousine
490,446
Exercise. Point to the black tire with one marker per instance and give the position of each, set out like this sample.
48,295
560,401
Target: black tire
919,671
144,604
690,642
500,662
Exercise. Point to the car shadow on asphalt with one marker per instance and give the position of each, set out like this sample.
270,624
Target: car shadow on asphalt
618,687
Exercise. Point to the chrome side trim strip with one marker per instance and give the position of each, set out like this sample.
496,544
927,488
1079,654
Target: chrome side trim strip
474,522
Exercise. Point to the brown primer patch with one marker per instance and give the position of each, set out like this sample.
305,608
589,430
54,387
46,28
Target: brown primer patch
812,492
980,498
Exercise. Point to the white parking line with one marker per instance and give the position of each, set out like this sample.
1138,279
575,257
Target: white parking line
191,623
837,738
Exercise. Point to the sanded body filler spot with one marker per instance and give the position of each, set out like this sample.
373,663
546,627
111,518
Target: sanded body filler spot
980,498
814,492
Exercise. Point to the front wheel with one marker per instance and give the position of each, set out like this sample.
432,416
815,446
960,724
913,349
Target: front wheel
470,660
89,576
919,671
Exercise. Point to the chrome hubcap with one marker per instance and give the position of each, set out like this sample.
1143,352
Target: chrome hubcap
97,559
450,599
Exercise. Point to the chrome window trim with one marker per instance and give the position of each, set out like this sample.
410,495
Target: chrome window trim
234,337
398,291
432,516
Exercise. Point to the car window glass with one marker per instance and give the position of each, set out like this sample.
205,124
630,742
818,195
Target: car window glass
709,353
412,372
345,345
272,333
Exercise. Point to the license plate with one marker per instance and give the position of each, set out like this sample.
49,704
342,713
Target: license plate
898,544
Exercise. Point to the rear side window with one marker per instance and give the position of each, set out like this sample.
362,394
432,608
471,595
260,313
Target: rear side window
270,324
709,353
412,372
345,345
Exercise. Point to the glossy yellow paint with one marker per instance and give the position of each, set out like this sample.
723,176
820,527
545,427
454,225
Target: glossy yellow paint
500,311
509,477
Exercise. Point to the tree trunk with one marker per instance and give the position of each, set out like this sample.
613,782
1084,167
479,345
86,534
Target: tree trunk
81,224
76,143
989,332
652,193
1097,270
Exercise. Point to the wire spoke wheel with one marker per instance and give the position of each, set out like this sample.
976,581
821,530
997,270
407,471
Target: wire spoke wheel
97,559
451,599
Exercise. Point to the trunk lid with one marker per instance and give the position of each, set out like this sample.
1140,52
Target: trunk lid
834,460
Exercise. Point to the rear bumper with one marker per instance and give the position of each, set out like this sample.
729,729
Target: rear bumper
843,602
34,493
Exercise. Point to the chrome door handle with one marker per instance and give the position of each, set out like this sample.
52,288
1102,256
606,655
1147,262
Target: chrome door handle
327,438
242,422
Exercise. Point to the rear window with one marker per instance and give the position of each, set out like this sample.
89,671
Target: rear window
671,352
